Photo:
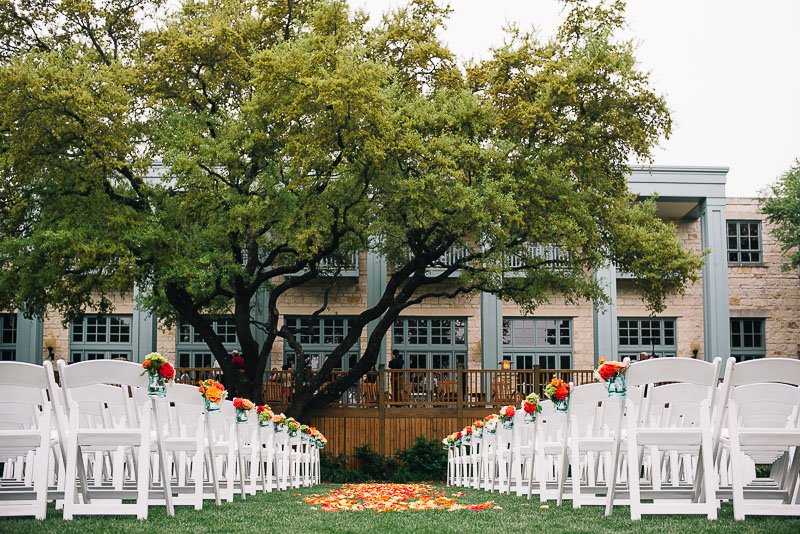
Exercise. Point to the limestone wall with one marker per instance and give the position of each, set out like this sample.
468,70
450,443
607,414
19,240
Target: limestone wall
687,309
764,290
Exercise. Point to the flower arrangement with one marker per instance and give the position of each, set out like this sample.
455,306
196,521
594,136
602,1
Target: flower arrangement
490,423
243,407
160,372
292,425
467,433
507,416
243,404
277,421
213,392
612,375
305,432
558,392
477,425
531,407
264,415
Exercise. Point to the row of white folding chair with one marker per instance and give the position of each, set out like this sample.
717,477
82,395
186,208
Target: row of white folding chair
763,427
25,440
669,419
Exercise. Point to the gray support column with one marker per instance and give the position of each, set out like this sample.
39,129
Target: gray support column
29,340
491,331
143,331
605,321
376,285
716,303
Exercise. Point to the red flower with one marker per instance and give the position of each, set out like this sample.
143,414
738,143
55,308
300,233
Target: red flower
562,391
167,371
259,409
510,411
238,362
458,435
606,371
529,407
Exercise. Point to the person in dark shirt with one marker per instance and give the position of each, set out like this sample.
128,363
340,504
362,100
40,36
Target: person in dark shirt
372,376
397,378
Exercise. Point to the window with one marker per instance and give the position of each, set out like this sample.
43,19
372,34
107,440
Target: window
192,351
224,327
431,342
744,242
99,337
8,336
747,339
546,342
319,336
652,335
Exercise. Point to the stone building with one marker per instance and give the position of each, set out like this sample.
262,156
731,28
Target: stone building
744,305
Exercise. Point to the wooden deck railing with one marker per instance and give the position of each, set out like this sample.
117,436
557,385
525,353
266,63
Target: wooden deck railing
415,388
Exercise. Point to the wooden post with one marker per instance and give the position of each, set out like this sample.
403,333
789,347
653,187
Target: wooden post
382,408
537,379
459,395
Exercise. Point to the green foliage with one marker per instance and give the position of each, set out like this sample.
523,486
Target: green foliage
424,461
203,151
781,205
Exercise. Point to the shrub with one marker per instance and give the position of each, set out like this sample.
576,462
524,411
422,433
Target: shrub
425,461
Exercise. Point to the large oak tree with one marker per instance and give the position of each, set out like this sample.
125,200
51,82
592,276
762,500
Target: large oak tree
293,134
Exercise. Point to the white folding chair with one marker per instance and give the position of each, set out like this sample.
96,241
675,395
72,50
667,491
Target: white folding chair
113,425
588,450
523,447
685,426
764,426
549,448
25,432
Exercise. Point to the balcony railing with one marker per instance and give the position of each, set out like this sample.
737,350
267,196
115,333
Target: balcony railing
415,388
347,269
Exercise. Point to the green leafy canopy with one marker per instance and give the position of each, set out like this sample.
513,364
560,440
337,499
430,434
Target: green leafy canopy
206,151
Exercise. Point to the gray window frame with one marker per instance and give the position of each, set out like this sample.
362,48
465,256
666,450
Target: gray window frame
318,349
195,350
662,349
741,352
83,350
737,252
433,355
558,355
8,345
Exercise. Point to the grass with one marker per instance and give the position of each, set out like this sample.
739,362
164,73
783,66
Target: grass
285,512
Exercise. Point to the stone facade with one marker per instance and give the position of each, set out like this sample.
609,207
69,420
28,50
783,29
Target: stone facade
764,290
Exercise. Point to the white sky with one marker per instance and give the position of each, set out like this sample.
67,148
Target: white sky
728,69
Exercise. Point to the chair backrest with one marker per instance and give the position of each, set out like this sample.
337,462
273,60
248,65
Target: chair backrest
686,370
101,372
25,375
767,406
369,392
587,404
767,370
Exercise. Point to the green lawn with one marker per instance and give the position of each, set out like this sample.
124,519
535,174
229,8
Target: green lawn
285,512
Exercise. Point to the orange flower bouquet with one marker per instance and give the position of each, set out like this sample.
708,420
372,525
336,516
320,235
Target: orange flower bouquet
213,392
612,375
477,426
558,391
243,407
507,416
264,415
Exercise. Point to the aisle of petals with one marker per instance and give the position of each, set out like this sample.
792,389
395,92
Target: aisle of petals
390,498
